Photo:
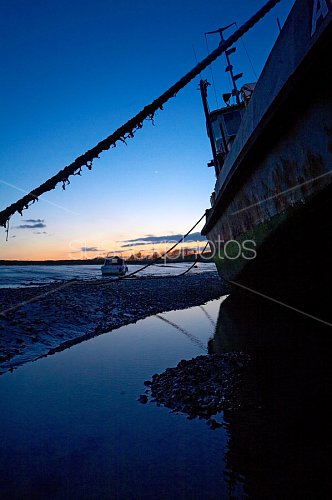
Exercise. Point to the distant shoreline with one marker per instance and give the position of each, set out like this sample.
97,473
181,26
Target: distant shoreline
50,262
97,261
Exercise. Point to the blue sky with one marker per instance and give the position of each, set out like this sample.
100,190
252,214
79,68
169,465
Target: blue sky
73,71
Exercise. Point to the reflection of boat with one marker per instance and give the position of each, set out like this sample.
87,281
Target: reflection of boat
269,225
277,446
114,265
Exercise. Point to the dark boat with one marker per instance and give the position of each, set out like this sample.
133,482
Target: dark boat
270,223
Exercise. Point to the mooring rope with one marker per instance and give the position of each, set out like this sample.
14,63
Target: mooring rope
194,263
152,263
57,288
127,130
164,254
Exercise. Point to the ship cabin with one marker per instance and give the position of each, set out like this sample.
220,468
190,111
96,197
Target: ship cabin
225,123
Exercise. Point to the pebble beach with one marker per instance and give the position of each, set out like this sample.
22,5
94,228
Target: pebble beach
39,321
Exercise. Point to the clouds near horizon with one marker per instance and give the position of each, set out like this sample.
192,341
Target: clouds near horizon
170,238
34,221
38,225
91,249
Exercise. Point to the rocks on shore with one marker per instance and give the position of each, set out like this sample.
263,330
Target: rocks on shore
201,387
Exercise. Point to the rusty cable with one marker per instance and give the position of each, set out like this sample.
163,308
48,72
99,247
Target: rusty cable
127,130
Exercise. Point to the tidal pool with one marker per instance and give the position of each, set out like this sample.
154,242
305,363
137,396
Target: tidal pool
71,425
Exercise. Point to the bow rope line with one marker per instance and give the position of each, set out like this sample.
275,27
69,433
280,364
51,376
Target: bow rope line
127,130
161,256
194,263
103,281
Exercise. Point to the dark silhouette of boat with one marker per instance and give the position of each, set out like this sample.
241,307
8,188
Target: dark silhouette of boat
269,224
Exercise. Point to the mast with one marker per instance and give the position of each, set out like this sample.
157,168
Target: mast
229,67
203,85
218,120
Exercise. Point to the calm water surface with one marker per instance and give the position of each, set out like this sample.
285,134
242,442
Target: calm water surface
71,426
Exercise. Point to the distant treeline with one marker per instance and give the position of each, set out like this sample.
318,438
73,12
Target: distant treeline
100,260
51,262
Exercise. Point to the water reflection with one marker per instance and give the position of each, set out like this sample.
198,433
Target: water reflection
277,447
185,332
71,426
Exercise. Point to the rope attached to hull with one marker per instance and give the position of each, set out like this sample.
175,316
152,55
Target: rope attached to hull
128,130
57,288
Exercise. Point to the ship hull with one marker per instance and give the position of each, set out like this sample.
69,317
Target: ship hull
270,229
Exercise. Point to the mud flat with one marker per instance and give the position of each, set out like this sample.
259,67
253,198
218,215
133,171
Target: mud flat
55,317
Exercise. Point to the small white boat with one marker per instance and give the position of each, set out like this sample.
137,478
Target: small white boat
114,265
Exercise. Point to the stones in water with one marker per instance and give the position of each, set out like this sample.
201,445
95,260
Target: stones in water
201,387
143,399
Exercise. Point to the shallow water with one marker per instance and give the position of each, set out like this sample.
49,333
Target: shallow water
16,276
71,426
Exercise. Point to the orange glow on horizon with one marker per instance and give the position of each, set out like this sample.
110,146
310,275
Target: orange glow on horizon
46,250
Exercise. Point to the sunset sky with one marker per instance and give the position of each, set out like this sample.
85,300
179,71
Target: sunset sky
72,72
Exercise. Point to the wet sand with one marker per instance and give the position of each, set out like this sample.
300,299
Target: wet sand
69,313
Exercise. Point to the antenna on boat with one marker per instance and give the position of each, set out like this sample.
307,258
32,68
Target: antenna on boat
203,85
229,68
